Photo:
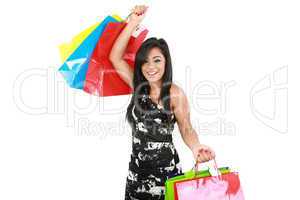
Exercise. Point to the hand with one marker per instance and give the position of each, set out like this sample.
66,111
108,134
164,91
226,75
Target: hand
137,14
203,153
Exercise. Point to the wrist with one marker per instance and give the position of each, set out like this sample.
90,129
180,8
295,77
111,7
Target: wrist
132,24
195,148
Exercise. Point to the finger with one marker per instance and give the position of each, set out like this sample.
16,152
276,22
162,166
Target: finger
133,9
213,154
208,154
199,158
136,9
140,9
202,157
200,151
145,8
141,14
143,11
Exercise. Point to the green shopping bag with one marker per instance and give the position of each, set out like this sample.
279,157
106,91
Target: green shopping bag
169,184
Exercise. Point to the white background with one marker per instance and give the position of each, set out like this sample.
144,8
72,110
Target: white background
61,143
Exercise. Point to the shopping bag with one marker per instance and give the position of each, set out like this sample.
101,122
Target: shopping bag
169,184
66,49
220,187
75,67
102,79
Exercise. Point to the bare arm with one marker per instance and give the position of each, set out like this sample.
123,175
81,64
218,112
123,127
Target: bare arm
181,109
119,47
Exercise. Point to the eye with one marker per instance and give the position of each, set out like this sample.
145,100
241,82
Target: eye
157,60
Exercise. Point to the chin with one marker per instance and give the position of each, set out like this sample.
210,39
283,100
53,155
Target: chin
153,79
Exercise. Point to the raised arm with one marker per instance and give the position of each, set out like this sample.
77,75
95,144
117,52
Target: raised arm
119,47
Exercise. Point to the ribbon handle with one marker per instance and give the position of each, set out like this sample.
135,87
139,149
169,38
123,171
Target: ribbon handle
214,171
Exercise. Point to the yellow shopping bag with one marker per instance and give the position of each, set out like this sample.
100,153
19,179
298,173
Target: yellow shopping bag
66,49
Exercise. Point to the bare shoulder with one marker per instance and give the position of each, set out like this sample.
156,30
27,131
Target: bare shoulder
175,89
176,95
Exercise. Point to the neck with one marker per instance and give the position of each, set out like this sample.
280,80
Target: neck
155,88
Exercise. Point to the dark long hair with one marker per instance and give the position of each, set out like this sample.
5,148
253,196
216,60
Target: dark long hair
140,83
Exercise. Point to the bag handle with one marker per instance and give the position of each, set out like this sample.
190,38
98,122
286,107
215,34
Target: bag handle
127,18
215,169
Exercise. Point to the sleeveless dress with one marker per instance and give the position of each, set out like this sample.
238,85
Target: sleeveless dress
154,157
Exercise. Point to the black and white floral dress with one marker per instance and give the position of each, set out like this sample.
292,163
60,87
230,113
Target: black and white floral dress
154,158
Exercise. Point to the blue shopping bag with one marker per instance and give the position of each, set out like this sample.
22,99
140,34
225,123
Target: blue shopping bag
74,69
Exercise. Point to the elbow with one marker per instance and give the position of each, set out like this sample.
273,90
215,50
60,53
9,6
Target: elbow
115,60
112,57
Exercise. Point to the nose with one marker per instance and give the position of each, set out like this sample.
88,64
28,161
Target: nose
150,65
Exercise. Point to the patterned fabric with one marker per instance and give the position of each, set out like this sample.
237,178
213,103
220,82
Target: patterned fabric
154,158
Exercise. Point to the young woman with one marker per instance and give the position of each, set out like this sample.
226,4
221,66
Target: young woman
156,105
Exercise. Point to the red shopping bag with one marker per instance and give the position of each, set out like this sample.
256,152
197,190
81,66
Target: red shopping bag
220,187
102,79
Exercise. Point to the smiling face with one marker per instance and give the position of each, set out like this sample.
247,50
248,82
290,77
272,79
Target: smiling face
154,67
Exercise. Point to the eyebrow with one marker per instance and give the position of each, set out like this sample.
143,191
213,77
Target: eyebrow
156,57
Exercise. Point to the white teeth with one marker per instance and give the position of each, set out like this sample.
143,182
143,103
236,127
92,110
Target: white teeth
152,73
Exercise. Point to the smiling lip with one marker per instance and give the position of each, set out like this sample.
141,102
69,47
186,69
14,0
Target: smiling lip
151,73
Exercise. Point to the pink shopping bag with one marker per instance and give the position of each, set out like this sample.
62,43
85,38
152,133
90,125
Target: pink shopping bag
220,187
